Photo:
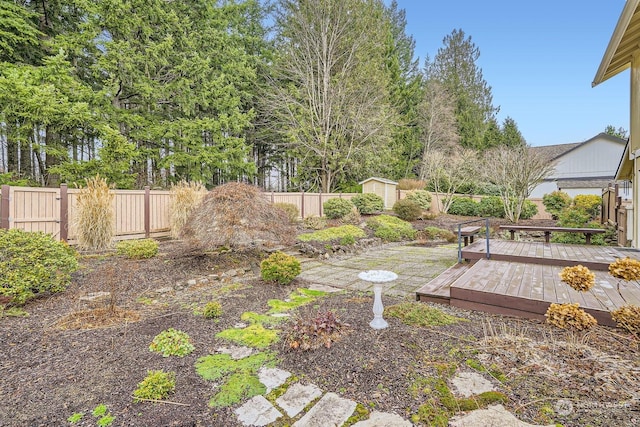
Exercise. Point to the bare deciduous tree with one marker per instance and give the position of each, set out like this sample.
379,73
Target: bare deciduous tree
516,171
448,171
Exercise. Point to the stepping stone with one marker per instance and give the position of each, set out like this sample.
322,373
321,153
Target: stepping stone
471,383
297,397
272,377
236,352
324,288
494,416
258,411
383,419
330,411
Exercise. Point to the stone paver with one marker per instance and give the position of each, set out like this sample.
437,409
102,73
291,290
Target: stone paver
330,411
272,377
297,397
383,419
258,411
236,352
494,416
469,384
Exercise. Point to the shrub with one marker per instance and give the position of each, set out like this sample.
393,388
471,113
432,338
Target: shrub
333,233
491,206
155,386
137,249
569,316
578,277
352,217
32,264
280,268
407,210
391,229
435,233
94,219
315,222
529,209
212,310
368,203
313,332
292,211
184,197
337,208
421,197
172,342
625,268
574,217
590,203
411,184
627,317
463,206
555,202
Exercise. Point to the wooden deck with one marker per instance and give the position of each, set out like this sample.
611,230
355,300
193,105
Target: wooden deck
522,279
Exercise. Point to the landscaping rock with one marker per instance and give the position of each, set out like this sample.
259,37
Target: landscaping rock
468,384
235,352
331,410
383,419
494,416
272,377
258,411
297,397
95,299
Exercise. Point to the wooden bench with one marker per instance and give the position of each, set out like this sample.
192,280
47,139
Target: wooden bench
468,233
588,232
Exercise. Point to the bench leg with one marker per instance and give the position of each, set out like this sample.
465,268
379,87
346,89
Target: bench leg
588,238
513,234
471,239
547,236
466,240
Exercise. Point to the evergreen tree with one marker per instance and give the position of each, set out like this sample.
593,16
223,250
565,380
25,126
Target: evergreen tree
511,135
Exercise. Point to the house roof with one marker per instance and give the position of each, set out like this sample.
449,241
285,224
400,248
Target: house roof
623,44
386,181
625,167
584,183
553,152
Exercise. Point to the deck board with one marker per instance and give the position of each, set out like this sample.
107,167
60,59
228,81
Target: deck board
523,279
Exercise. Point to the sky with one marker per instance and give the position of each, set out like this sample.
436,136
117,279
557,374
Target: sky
539,57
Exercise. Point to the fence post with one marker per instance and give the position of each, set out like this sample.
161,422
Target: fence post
320,200
5,207
302,205
64,212
147,211
272,197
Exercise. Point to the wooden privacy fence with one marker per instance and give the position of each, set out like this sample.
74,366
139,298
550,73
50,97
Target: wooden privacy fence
309,204
137,213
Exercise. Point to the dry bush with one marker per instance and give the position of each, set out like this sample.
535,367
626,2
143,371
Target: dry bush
352,217
237,215
569,316
185,197
626,269
578,277
627,317
315,222
94,217
291,210
411,184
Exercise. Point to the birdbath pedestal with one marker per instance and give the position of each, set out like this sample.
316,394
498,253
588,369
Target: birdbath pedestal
378,277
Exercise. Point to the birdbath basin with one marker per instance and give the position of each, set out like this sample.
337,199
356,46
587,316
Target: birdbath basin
378,277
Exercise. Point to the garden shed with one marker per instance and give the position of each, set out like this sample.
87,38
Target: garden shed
384,188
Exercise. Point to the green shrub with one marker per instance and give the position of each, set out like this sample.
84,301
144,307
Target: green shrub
155,386
137,249
315,222
368,203
463,206
280,268
555,202
347,240
391,229
529,209
172,342
32,264
435,233
421,197
573,217
292,211
337,208
94,217
407,210
212,310
491,206
333,233
590,203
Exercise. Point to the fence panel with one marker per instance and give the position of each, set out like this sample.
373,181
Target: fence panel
35,209
159,202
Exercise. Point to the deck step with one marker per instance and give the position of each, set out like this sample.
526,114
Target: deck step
437,290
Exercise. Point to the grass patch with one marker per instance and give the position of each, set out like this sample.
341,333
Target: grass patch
255,336
420,314
333,233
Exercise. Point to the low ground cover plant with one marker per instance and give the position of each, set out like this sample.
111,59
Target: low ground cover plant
137,249
313,331
280,268
155,386
212,310
172,342
391,228
333,233
32,264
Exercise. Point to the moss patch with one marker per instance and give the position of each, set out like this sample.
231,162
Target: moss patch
420,314
239,387
255,336
263,319
296,299
333,233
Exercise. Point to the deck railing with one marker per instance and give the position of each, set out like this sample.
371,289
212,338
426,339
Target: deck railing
487,229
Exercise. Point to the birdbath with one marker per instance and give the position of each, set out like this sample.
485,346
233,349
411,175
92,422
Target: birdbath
378,277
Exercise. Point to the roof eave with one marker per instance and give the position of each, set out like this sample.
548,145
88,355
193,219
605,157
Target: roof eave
604,72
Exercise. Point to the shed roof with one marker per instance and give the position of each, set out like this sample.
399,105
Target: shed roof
383,180
623,44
